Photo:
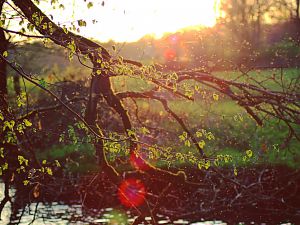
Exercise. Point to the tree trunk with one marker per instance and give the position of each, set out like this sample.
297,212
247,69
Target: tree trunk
17,86
297,9
258,26
3,48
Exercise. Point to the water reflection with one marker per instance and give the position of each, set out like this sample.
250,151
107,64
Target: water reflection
58,213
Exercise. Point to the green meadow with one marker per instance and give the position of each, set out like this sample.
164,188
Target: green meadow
234,130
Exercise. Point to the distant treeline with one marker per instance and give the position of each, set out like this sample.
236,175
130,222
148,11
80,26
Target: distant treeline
218,48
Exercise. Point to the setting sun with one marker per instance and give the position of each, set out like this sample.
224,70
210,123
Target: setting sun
129,20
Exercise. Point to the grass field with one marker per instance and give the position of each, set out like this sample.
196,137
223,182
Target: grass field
233,129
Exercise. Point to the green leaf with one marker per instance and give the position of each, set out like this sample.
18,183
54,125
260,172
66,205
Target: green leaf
27,123
5,166
21,99
23,30
201,143
207,164
5,54
2,152
183,136
61,138
210,136
216,97
81,23
132,134
49,171
30,27
22,160
21,22
1,117
144,130
72,46
198,134
187,143
65,29
189,93
216,162
9,124
42,82
57,163
235,171
10,137
180,157
20,128
249,153
25,182
197,88
89,5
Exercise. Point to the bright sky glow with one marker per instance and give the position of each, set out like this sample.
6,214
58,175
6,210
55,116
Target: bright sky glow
129,20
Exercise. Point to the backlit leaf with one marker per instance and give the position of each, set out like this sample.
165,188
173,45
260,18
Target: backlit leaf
89,5
215,97
249,153
27,123
235,171
201,143
5,54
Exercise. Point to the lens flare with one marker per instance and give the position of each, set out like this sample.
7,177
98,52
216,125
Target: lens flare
169,54
132,193
137,161
173,39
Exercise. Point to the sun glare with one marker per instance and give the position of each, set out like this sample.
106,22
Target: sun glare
130,20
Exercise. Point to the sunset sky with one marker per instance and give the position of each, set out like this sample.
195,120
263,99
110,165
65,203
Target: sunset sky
129,20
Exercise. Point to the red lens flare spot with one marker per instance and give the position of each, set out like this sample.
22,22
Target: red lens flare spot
132,193
170,54
173,39
138,162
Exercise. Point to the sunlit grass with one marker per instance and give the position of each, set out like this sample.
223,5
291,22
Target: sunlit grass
78,158
234,130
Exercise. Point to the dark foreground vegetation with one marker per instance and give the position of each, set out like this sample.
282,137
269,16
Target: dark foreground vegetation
271,193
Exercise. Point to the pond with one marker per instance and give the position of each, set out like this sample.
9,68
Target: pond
61,214
74,213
